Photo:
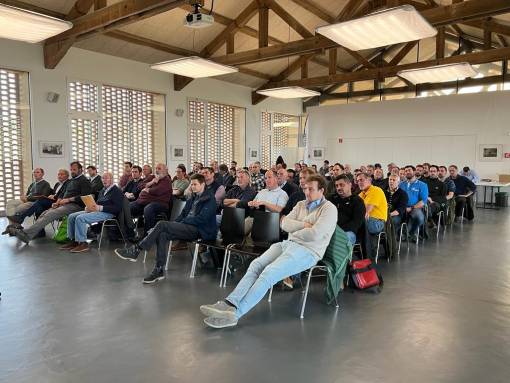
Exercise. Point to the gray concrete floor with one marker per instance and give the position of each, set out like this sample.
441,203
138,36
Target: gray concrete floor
444,316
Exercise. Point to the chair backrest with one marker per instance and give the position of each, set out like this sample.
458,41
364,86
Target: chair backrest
177,208
232,223
266,227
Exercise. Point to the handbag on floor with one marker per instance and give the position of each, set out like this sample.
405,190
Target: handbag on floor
60,235
365,277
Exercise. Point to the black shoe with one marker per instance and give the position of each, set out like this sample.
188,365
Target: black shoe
130,253
21,235
156,275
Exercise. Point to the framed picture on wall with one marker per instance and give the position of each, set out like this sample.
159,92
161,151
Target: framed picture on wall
490,152
317,153
177,152
253,153
53,149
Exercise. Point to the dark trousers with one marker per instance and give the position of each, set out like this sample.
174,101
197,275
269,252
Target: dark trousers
149,212
164,232
37,208
466,204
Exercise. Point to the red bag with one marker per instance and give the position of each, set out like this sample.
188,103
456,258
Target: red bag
365,276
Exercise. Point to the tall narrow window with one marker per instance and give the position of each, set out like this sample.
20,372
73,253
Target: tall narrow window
111,125
216,132
279,136
15,155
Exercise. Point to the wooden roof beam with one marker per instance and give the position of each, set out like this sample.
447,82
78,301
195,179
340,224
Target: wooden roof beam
288,18
315,10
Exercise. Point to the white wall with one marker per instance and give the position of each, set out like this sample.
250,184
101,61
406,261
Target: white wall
49,121
443,130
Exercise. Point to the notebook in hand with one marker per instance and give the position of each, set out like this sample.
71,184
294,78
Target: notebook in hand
88,200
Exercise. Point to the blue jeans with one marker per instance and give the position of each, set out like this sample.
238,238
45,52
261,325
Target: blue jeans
351,237
373,227
78,222
281,260
416,219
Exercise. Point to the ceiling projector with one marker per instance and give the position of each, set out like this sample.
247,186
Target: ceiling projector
198,19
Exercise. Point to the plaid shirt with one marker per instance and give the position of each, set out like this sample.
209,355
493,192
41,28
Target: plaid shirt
258,181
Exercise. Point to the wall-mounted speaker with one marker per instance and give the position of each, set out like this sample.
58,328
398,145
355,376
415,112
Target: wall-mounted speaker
179,112
52,97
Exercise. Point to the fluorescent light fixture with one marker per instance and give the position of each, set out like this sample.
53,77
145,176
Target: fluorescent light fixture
31,27
379,29
288,92
195,67
439,73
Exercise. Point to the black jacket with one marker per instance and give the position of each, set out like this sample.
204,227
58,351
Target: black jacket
204,216
382,183
111,201
290,188
437,190
133,187
244,196
96,185
76,187
351,212
293,200
62,190
397,201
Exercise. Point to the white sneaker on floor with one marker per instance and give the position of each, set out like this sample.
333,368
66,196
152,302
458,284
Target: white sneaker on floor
215,322
219,310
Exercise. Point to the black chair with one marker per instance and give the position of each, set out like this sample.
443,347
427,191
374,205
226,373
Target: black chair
177,208
232,232
265,232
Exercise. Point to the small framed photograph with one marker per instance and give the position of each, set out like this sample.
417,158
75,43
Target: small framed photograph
317,153
490,152
254,153
177,152
51,149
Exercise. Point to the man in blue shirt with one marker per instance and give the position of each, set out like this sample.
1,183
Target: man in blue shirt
470,174
417,193
464,190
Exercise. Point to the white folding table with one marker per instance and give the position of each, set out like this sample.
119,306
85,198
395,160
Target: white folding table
491,185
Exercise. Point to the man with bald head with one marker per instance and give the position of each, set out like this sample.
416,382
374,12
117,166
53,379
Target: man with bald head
107,206
154,198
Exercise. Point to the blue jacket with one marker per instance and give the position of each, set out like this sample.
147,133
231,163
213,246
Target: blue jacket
205,215
112,201
416,191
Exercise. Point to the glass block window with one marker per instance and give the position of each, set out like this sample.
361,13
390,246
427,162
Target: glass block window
15,156
216,132
111,125
279,135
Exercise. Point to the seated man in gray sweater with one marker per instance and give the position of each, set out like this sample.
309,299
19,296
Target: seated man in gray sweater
310,225
70,202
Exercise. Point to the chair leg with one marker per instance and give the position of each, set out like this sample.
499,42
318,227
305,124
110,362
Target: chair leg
227,249
378,246
194,263
270,294
303,305
100,240
168,255
144,255
227,265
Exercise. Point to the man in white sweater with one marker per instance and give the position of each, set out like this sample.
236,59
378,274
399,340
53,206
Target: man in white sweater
310,226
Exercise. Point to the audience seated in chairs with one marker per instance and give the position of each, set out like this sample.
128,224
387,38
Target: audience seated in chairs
126,176
397,201
283,181
39,189
257,178
132,189
147,176
299,195
41,205
108,205
376,210
379,179
180,182
438,193
351,209
154,198
96,183
239,195
310,226
417,193
70,202
464,189
197,220
335,172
